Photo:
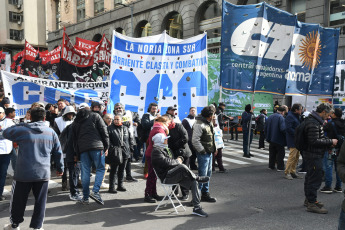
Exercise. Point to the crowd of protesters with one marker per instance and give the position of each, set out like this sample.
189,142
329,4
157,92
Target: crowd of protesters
87,139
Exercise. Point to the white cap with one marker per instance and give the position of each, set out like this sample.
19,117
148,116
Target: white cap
83,106
69,109
159,138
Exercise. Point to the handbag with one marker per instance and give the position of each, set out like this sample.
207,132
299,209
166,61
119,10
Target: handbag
115,153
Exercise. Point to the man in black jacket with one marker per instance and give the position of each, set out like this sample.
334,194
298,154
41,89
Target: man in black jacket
172,171
91,144
148,119
333,128
316,146
188,123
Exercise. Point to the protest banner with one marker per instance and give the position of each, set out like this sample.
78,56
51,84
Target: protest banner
259,42
161,69
85,62
23,91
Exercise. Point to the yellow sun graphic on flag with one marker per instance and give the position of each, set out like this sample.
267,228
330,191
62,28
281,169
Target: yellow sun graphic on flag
310,50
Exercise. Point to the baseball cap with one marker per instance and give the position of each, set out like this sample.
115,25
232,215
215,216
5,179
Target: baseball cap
159,138
83,106
171,108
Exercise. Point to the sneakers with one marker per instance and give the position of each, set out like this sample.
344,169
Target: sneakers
9,227
97,197
205,197
337,189
202,179
104,186
199,212
288,176
83,201
319,204
326,190
131,179
75,197
280,170
296,176
149,199
313,207
185,197
121,189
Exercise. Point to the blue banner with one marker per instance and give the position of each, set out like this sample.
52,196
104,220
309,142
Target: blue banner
313,60
258,44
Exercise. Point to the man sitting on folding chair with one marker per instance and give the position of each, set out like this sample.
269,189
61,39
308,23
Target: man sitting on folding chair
172,171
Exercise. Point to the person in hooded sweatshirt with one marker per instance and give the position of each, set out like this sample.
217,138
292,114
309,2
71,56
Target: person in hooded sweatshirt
60,124
188,123
121,137
37,143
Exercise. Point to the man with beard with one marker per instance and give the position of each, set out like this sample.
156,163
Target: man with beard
131,121
188,123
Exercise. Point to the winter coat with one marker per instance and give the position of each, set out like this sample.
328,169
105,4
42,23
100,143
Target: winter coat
203,136
37,143
221,118
162,162
275,129
178,141
89,132
187,125
316,141
115,139
292,120
157,128
67,144
260,124
147,123
246,121
339,126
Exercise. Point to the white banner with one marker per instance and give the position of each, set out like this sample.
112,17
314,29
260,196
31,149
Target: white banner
23,91
161,69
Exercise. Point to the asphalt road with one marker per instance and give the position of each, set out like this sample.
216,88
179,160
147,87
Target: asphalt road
248,197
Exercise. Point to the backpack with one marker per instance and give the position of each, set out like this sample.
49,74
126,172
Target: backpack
300,142
340,138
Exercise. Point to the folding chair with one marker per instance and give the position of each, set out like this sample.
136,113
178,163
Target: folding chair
169,193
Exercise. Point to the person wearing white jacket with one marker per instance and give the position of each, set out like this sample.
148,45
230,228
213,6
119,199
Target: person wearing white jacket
5,150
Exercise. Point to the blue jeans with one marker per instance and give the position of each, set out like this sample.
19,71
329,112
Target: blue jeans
341,220
4,162
246,151
328,168
204,169
87,158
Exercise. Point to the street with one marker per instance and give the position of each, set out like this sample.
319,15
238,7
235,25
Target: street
249,196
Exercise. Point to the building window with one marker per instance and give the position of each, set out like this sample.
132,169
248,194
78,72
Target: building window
80,10
16,17
13,2
99,6
143,29
17,34
174,26
299,7
57,14
337,13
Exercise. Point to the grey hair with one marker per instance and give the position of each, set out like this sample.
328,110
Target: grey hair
324,107
120,104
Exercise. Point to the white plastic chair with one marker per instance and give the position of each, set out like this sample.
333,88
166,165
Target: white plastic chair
169,193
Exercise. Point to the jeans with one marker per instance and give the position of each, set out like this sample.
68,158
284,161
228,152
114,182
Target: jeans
137,149
341,225
328,162
313,178
246,150
204,169
87,158
74,171
4,162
